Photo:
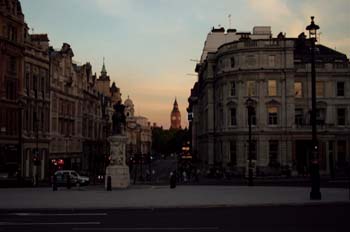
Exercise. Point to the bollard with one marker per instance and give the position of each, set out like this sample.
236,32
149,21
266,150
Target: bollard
109,183
54,183
68,181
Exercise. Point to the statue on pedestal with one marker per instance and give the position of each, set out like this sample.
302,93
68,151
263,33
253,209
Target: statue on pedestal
118,171
118,119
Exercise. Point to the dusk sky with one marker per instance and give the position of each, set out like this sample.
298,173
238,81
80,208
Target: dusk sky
148,44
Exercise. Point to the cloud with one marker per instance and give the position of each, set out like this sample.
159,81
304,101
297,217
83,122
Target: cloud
119,8
271,10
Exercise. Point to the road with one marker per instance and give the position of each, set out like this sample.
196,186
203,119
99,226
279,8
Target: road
329,217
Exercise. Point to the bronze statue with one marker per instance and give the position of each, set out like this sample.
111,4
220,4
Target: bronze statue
118,119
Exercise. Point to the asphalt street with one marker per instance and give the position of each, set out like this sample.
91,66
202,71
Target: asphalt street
326,217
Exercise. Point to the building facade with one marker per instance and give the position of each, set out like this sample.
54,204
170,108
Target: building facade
276,74
12,28
36,110
138,131
80,115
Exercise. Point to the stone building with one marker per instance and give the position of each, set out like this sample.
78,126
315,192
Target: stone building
12,28
275,74
36,111
67,99
138,131
81,113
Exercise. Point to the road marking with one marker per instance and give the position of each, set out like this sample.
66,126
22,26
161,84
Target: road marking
47,223
58,214
149,229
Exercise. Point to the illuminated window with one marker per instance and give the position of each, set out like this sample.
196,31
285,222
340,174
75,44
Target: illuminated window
298,89
251,88
319,89
273,115
272,88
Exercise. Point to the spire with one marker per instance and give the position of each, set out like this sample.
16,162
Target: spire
175,102
176,107
103,71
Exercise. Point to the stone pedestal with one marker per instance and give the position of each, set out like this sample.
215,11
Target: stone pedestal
118,170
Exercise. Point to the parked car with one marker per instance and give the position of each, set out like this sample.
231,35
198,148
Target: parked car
75,178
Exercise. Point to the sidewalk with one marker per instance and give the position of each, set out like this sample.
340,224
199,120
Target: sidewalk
162,196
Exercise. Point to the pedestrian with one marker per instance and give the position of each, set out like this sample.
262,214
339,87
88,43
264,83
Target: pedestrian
173,179
184,176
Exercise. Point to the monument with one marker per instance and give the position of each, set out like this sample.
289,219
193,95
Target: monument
118,171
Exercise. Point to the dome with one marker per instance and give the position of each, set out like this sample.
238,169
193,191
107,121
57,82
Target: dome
128,102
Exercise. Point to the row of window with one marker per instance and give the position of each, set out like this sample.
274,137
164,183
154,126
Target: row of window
300,117
36,119
273,152
250,60
272,116
298,88
36,79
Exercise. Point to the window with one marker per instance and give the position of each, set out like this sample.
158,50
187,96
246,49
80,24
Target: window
251,88
341,116
319,89
11,33
233,153
273,153
27,77
273,115
298,89
232,88
341,148
320,116
232,62
253,117
340,89
253,149
35,83
12,65
272,88
271,61
233,120
11,90
299,116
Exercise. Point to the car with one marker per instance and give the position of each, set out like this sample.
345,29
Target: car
75,178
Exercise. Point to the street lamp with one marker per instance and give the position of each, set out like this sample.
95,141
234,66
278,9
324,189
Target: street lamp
250,107
315,193
68,137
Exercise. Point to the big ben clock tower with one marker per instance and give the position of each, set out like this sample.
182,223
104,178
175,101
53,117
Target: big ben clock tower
175,117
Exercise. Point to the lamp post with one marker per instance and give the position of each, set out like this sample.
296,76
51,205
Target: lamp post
250,107
315,193
68,137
